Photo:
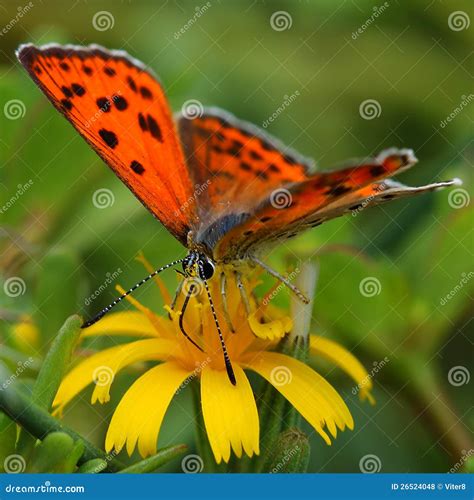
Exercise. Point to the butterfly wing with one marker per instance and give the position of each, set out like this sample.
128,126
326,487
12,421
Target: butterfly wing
235,164
119,107
322,197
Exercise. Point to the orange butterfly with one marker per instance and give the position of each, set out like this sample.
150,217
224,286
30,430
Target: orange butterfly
221,186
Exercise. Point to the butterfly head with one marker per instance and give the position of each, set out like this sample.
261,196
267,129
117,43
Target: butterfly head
197,264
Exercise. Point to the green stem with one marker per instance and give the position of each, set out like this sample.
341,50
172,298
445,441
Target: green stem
438,411
40,423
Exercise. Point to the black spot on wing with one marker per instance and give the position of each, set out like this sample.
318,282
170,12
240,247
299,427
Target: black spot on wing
377,171
87,70
78,89
103,104
154,128
142,122
137,167
132,84
108,137
338,190
66,91
109,71
255,156
64,66
66,104
146,93
120,102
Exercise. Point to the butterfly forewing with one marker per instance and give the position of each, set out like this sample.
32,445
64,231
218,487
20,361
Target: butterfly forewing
120,109
238,164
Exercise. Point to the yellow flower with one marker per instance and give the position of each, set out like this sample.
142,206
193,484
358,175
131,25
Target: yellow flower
229,411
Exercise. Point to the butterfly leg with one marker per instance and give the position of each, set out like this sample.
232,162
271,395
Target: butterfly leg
281,278
181,317
243,293
176,295
225,307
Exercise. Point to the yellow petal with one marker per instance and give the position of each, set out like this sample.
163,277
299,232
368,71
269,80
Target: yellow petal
341,357
130,323
230,413
101,368
139,414
305,389
270,330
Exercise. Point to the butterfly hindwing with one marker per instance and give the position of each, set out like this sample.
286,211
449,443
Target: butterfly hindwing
322,197
120,109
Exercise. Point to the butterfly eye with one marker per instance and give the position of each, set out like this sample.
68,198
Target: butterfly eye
206,269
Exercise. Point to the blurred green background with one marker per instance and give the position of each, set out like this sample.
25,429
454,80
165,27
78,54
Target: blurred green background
413,59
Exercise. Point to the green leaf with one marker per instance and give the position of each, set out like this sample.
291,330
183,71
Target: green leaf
56,362
39,423
290,453
52,371
93,466
152,463
53,454
7,437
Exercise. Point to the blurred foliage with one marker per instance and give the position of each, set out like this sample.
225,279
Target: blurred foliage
62,246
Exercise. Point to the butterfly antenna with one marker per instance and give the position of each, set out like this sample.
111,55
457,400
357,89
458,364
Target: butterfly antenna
181,316
104,311
228,364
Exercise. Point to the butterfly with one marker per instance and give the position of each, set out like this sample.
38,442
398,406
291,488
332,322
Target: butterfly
221,186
